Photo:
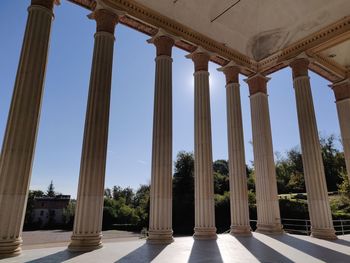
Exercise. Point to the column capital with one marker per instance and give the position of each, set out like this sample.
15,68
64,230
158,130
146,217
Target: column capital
200,58
106,20
164,42
341,89
300,65
231,71
46,3
257,83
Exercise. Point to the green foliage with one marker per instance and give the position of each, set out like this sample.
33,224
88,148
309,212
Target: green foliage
344,187
221,183
221,167
334,162
30,206
295,209
250,178
251,197
183,193
289,172
222,212
289,169
68,214
124,207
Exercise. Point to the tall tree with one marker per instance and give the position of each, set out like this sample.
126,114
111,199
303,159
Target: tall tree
183,193
51,190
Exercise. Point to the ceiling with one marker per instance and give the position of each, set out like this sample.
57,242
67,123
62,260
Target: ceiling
339,53
255,28
260,35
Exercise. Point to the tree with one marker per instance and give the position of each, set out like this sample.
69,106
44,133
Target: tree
183,193
108,193
334,162
221,167
51,190
69,213
128,194
28,221
141,203
116,192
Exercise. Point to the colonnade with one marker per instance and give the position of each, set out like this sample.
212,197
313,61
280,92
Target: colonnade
21,130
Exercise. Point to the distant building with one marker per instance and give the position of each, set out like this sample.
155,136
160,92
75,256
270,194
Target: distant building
49,210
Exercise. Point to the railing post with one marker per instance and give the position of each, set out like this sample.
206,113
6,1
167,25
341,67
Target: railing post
342,227
307,227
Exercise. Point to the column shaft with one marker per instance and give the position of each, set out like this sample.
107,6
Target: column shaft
22,125
342,96
315,180
203,160
343,108
237,166
160,226
87,230
268,212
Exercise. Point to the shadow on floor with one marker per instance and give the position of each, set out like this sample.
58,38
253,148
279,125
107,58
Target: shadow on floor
145,253
341,242
314,250
262,252
57,257
205,251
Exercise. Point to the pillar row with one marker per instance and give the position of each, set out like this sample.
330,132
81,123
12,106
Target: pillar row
237,167
268,212
203,160
160,225
22,125
87,230
315,180
342,96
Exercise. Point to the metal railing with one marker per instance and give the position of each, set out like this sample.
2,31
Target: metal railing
303,226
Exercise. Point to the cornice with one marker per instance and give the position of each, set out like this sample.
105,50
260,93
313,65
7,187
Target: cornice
88,4
312,44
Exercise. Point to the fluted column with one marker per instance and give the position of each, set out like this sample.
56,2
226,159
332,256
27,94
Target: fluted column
203,160
87,230
160,222
315,180
269,221
342,96
237,167
22,126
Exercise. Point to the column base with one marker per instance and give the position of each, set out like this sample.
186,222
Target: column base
269,229
85,243
240,231
205,233
160,237
10,248
324,233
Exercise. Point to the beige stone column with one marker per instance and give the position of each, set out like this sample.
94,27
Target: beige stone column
315,180
203,160
342,96
22,126
237,167
160,222
269,221
87,230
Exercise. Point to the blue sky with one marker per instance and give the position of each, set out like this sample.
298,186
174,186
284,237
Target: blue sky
60,134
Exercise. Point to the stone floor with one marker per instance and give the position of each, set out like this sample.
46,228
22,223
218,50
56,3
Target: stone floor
61,238
258,248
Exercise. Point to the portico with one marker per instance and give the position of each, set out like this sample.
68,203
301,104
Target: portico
209,37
